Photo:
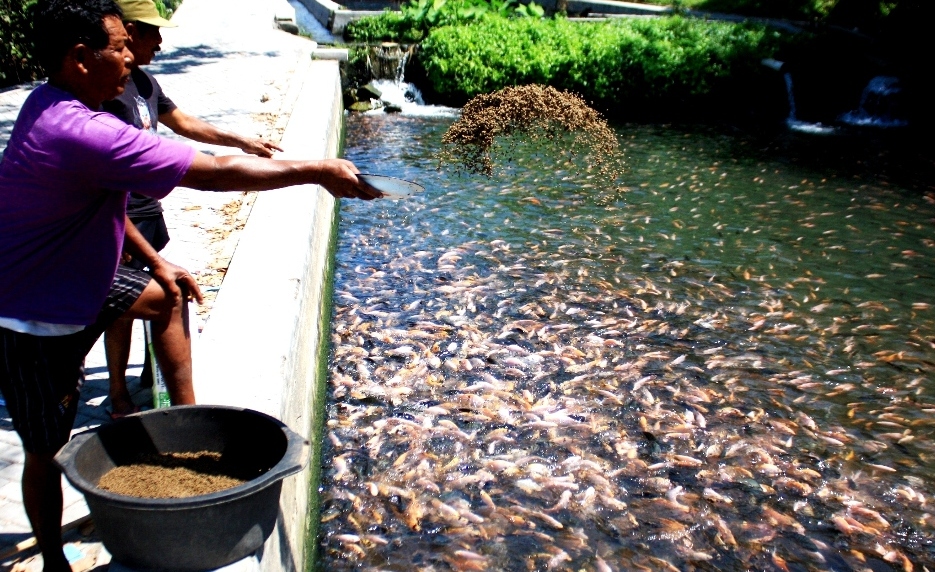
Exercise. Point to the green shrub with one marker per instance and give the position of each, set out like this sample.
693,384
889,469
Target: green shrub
16,62
417,17
628,61
389,26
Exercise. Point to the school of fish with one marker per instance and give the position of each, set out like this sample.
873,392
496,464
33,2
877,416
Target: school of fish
524,379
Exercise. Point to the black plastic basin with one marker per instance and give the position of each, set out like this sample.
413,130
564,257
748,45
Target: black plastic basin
194,533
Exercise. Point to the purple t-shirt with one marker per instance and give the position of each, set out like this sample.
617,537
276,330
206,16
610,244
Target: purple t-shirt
64,180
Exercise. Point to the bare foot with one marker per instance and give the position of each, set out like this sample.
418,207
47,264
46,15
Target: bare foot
122,408
121,403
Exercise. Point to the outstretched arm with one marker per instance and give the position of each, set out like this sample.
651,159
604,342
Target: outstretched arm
239,173
198,130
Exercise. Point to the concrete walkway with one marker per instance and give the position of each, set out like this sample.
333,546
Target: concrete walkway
226,63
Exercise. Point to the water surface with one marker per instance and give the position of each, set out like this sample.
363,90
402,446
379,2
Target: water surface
726,367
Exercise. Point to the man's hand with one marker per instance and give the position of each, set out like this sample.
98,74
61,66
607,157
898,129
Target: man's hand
190,126
259,147
174,279
339,177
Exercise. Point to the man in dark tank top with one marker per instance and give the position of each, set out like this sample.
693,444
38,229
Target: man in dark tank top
144,105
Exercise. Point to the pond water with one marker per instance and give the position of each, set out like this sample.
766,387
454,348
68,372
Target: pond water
726,367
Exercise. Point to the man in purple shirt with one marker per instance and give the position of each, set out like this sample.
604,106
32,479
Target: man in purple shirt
64,179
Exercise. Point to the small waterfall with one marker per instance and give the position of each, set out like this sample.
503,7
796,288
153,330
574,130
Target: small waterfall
790,95
880,105
405,96
802,126
384,60
401,68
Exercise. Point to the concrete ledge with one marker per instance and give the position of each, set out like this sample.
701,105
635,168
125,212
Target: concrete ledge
284,17
321,10
341,18
333,16
338,54
261,344
612,7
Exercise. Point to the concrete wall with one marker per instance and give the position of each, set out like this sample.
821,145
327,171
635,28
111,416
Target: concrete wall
333,17
260,346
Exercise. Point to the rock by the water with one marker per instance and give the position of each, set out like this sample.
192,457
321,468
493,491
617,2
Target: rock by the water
363,106
369,91
392,108
288,26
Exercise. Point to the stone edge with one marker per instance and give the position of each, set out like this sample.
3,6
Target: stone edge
263,340
333,16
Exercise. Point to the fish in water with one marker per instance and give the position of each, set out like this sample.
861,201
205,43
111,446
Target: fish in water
567,394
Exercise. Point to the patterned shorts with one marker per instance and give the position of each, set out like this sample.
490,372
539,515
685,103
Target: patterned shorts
41,376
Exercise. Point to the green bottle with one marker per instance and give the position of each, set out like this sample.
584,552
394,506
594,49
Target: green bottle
161,398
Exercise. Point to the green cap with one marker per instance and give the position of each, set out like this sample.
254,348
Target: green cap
143,11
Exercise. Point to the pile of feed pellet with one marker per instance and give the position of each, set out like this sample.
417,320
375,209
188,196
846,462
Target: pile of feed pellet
172,475
538,113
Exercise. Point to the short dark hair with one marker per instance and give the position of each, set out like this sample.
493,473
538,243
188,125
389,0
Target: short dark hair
60,25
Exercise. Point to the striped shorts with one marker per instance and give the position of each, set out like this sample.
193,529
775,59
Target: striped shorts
41,376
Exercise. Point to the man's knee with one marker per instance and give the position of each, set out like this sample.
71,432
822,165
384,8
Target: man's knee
155,304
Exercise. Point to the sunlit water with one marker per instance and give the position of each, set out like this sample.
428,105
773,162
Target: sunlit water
727,367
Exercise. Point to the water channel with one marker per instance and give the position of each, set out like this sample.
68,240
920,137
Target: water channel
726,367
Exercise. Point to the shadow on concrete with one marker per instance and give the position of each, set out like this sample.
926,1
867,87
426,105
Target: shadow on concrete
9,107
29,85
95,370
180,60
6,424
6,127
29,559
286,561
10,539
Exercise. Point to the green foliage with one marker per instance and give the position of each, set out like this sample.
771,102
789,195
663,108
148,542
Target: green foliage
620,62
167,7
531,10
417,17
388,26
792,9
356,71
16,62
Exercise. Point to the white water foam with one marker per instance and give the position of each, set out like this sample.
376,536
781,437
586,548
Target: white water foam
794,124
879,105
408,98
858,120
811,128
